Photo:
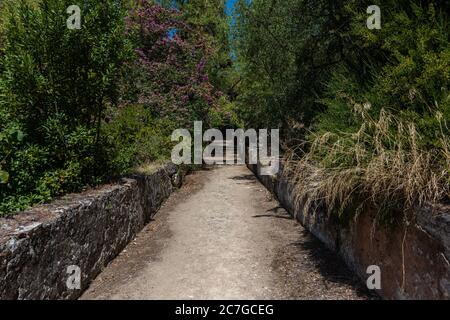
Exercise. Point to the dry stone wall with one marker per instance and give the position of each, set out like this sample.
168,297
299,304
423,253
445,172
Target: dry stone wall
87,230
413,258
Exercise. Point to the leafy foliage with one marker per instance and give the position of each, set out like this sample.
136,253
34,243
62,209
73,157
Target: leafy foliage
364,112
286,50
55,85
80,106
135,137
210,18
171,75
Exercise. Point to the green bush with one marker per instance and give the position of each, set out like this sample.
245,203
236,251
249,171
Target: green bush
384,137
372,106
404,68
136,137
55,84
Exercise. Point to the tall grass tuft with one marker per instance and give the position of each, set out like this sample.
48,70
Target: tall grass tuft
385,164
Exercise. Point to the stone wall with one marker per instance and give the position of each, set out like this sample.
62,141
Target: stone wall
86,230
414,258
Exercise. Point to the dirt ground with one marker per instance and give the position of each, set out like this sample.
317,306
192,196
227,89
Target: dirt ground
223,236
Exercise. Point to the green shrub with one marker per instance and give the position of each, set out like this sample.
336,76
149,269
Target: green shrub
55,84
371,108
136,137
225,116
403,68
383,140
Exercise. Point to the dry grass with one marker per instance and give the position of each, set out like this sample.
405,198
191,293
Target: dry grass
381,165
150,167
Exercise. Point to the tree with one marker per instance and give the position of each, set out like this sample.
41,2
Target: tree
286,50
55,84
172,75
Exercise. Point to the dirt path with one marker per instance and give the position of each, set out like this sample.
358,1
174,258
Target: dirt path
222,236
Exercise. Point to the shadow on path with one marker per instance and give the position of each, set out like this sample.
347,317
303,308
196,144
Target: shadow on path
276,212
331,267
306,267
249,177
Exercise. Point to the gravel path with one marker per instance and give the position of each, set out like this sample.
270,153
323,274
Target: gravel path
223,236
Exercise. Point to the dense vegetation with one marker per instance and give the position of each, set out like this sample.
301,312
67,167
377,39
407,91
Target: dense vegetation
365,113
78,107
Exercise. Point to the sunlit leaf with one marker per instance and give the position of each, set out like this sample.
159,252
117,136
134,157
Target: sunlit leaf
4,177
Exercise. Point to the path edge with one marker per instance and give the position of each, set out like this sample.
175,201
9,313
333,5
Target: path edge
413,258
85,230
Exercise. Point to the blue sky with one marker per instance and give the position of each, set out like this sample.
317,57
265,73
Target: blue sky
230,4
